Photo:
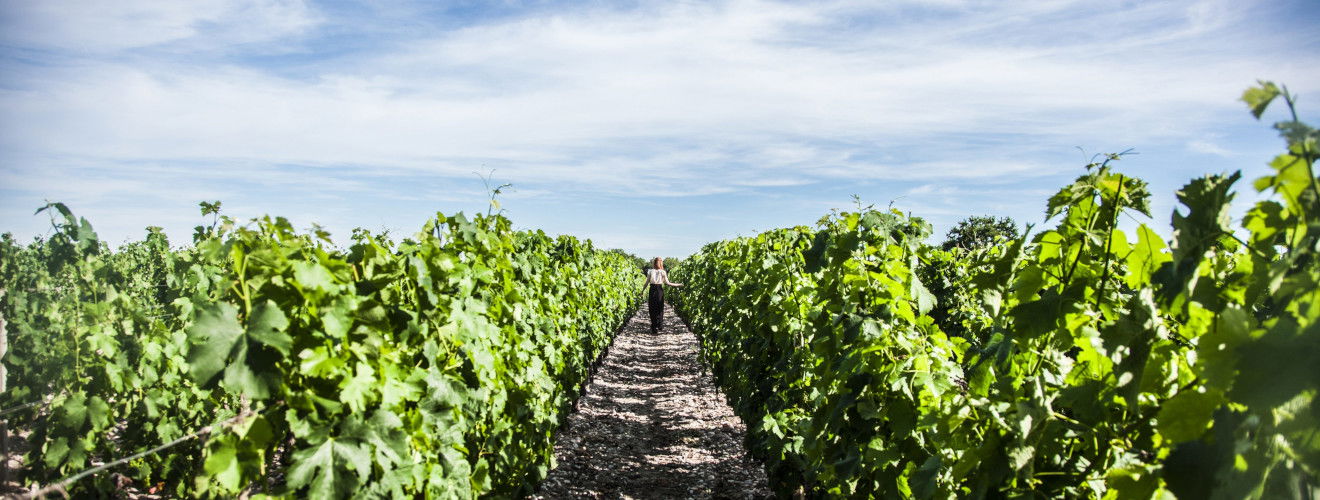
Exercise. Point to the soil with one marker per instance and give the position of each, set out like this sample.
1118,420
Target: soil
652,425
12,461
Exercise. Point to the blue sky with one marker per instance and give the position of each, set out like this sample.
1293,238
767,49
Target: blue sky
650,126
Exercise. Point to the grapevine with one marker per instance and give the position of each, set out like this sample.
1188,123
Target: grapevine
438,365
1078,362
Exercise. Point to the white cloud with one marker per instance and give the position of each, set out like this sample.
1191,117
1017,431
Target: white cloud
933,189
665,100
773,182
1207,147
725,74
106,26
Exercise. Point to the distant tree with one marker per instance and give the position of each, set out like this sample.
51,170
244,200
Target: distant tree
975,231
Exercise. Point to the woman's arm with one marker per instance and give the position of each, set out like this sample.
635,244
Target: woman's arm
666,276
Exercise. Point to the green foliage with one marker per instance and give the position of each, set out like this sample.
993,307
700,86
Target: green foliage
1082,362
801,326
97,340
438,366
979,232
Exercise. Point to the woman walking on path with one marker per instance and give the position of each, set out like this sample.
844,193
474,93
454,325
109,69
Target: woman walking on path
656,279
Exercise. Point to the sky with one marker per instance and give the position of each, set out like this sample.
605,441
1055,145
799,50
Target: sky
655,127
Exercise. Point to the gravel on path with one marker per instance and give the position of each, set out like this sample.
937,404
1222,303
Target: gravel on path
652,426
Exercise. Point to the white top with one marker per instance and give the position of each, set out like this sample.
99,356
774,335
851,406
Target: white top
657,277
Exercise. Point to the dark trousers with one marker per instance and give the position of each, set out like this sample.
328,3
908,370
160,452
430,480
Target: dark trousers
655,302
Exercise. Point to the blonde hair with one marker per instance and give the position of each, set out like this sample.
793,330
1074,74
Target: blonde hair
658,262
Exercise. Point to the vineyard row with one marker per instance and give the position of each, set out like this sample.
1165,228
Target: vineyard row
1078,362
440,365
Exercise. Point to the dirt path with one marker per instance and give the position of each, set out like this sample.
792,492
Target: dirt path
651,426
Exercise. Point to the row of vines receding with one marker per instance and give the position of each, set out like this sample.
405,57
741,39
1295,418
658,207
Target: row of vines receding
263,360
1079,361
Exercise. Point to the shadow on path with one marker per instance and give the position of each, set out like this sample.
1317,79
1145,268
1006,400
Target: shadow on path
650,426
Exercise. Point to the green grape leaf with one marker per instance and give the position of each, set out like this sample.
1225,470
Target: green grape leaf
923,481
240,378
1276,366
1208,220
1267,222
1292,177
1258,98
55,452
395,391
222,465
209,208
74,410
268,325
359,390
323,468
98,413
213,336
1127,483
313,276
1187,415
1146,258
921,295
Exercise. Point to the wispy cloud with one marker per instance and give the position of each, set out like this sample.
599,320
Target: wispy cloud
1207,147
104,27
657,100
